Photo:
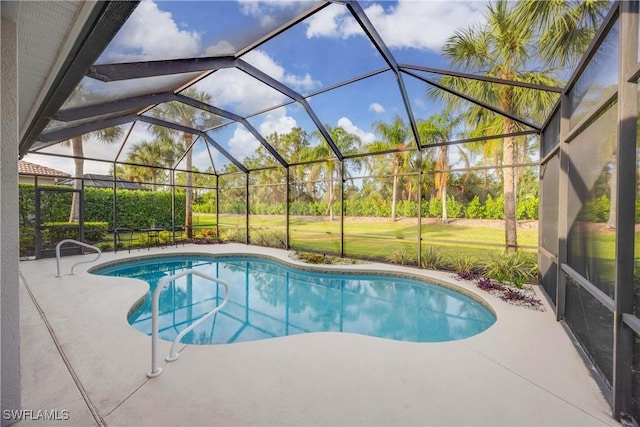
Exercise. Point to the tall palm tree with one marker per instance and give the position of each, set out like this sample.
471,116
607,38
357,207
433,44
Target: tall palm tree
394,136
438,129
556,32
192,117
502,48
294,147
347,143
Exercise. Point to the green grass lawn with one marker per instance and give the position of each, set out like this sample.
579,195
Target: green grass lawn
375,238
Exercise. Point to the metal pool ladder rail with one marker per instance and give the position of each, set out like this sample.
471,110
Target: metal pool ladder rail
155,301
77,263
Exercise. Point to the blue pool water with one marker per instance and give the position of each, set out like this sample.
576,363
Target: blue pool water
269,299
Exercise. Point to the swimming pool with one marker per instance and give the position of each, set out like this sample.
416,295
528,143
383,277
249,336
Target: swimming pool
270,299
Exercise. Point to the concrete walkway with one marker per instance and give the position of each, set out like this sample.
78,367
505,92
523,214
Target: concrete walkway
80,355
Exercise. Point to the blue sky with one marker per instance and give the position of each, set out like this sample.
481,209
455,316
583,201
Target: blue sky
326,49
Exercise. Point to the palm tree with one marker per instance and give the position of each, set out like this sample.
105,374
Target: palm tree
192,117
502,48
556,32
394,136
347,143
566,27
160,153
438,129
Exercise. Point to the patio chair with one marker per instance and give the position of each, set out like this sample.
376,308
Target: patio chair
123,235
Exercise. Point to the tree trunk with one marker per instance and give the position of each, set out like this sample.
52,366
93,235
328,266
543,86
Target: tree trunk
445,217
154,179
330,197
78,161
188,212
394,195
508,156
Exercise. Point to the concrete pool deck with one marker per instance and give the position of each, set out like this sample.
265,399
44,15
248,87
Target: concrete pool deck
80,355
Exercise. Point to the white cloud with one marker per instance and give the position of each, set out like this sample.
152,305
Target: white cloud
277,121
365,137
238,92
332,21
376,108
269,12
264,62
242,144
415,24
150,34
223,47
200,157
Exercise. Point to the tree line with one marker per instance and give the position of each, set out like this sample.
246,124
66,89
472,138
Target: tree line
527,41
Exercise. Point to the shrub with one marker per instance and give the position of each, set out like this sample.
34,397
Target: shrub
407,209
455,209
433,260
236,234
494,209
312,258
516,268
402,256
435,208
143,239
475,209
487,284
165,237
595,210
467,275
209,233
27,241
55,232
135,208
269,238
510,294
527,208
462,262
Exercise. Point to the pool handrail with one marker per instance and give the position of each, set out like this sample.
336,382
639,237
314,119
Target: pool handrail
155,302
99,252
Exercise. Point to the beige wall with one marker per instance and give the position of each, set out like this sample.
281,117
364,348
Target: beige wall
9,248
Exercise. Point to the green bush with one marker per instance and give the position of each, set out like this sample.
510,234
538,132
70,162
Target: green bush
402,256
55,232
27,241
462,262
595,210
516,268
143,239
494,209
165,237
135,208
54,206
432,259
435,208
455,209
269,238
233,234
475,209
407,209
527,208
